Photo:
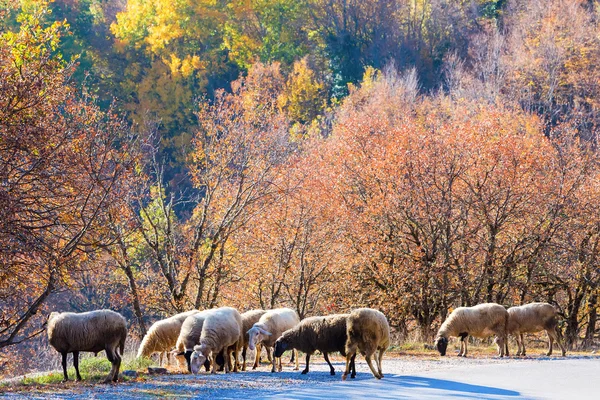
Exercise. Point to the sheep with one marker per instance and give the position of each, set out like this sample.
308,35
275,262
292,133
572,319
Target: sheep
249,318
222,328
162,336
326,334
92,331
368,331
189,336
532,318
268,329
481,321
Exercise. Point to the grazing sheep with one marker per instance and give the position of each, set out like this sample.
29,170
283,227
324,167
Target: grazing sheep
481,321
269,327
92,331
162,336
532,318
368,331
249,318
222,328
326,334
189,336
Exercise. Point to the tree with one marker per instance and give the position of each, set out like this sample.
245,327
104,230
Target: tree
60,158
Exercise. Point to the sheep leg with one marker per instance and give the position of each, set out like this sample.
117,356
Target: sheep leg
244,358
64,365
295,353
113,360
268,354
213,361
235,359
274,367
353,366
500,341
280,362
381,351
557,338
305,371
76,364
227,363
550,343
522,344
118,358
326,356
349,356
463,344
370,363
229,360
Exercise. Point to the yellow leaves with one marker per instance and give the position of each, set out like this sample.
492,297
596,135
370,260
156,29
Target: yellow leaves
174,64
164,27
189,65
303,97
242,48
369,77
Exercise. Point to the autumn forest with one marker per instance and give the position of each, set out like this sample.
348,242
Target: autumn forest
407,155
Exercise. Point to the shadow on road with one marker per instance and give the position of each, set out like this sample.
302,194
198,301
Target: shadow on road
399,387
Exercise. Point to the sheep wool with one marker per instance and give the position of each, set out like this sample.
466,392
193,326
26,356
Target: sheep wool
92,331
189,336
249,318
482,320
368,331
222,328
532,318
326,334
268,329
162,335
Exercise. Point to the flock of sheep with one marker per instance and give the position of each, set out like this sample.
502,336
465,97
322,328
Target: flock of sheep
215,338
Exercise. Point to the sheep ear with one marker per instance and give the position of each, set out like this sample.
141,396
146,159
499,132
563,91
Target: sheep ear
265,332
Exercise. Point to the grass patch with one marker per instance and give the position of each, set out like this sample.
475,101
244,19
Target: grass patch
137,364
92,369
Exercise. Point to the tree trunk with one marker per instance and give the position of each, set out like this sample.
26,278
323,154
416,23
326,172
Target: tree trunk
572,331
588,341
137,309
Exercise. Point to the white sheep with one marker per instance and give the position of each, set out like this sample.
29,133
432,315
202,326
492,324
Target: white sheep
367,331
189,336
532,318
92,331
482,320
222,328
269,327
162,336
249,318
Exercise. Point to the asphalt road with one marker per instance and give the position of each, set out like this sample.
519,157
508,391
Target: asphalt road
573,377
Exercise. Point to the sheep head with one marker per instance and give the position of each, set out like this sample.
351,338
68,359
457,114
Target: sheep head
441,343
256,335
197,358
281,345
